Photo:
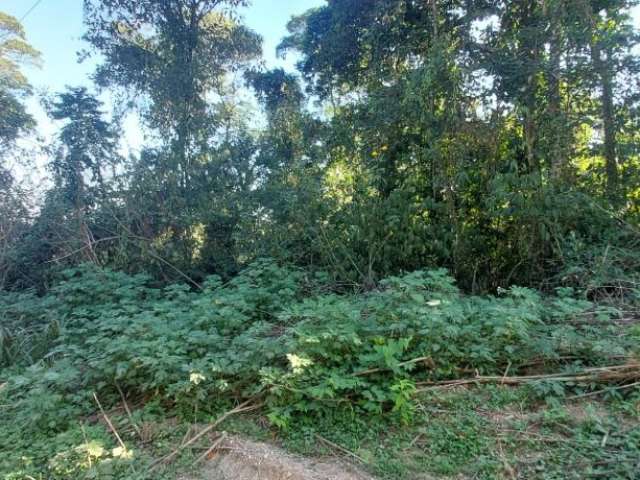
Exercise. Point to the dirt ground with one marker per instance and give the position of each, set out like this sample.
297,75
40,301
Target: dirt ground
241,459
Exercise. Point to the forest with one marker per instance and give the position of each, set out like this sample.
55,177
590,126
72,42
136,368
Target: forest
419,251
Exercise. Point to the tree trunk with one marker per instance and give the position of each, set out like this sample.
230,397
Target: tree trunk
530,50
557,150
603,69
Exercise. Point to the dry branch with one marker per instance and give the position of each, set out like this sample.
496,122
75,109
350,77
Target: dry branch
402,364
128,410
106,418
339,448
628,372
243,407
211,449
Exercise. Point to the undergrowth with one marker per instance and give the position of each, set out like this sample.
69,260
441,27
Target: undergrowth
488,432
360,364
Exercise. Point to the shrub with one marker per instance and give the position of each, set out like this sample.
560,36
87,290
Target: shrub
268,332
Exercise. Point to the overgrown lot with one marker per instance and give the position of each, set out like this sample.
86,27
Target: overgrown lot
410,377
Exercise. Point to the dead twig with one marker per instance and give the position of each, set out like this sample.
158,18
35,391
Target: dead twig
506,372
537,436
401,364
106,419
186,435
626,372
592,394
243,407
415,440
89,246
339,448
126,408
211,449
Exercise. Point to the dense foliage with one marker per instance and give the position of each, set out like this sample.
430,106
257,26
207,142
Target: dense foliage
495,139
276,334
328,245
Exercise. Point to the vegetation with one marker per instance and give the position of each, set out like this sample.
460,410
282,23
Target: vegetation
425,255
274,336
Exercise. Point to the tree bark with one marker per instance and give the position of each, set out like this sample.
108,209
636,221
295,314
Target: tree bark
603,68
557,151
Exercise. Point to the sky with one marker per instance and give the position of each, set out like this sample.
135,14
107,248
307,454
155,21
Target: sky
54,27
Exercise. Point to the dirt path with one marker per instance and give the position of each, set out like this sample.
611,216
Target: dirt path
241,459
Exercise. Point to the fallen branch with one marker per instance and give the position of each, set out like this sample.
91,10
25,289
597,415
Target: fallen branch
106,419
339,448
210,450
243,407
593,394
629,372
385,369
564,358
129,414
537,436
186,435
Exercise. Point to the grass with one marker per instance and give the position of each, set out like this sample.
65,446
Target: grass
484,432
491,432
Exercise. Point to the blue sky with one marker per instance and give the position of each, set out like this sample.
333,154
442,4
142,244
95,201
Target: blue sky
55,28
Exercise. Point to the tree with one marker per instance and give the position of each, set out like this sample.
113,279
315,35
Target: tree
610,38
14,52
458,123
86,150
395,75
416,134
175,57
290,159
176,54
15,121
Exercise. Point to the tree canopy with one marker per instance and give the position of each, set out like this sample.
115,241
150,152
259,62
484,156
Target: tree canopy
413,134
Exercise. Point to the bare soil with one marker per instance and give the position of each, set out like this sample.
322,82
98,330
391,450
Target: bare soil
241,459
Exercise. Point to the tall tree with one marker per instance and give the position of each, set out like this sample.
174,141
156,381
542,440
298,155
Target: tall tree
396,76
290,159
175,57
85,151
610,38
15,121
175,53
453,117
14,52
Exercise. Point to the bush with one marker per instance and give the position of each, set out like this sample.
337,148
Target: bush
271,333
